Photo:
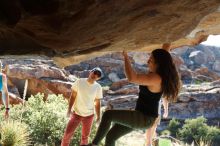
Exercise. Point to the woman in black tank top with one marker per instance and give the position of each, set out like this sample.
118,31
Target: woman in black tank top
162,79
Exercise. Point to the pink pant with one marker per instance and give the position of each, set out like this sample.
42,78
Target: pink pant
73,123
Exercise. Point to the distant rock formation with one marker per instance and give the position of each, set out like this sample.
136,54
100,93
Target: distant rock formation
42,75
200,93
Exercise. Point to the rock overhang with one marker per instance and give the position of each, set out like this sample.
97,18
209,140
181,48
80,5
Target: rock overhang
72,31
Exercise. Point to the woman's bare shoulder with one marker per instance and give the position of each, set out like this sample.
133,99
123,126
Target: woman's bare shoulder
153,75
149,79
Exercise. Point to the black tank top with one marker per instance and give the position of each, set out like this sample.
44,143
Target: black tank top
148,102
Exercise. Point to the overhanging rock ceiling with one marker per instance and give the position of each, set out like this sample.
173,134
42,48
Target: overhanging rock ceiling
70,31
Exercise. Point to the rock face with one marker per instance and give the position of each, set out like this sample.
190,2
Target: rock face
193,101
198,100
42,74
200,93
70,30
192,70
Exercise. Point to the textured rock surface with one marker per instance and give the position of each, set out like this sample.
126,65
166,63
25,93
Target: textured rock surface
194,101
200,93
70,30
42,75
197,97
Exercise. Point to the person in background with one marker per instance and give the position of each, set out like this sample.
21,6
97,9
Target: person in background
162,79
85,92
4,91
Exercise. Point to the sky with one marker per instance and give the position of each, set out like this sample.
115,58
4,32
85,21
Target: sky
213,40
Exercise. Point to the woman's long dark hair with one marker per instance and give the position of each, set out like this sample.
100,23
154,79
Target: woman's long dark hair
167,70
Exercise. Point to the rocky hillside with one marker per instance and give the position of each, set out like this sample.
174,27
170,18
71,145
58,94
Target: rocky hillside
199,70
198,66
40,72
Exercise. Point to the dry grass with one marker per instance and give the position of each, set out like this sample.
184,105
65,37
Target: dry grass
14,134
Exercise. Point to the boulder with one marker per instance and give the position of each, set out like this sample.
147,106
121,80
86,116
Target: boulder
206,72
216,66
119,84
113,77
198,57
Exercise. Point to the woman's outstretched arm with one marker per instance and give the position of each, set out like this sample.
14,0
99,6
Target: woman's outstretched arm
129,72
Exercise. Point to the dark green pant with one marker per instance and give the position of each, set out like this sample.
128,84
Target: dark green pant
124,122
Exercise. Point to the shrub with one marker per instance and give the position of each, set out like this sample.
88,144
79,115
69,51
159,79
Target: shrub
216,140
213,135
165,132
46,120
14,134
194,130
174,126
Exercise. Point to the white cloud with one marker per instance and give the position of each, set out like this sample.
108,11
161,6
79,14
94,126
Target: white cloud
213,40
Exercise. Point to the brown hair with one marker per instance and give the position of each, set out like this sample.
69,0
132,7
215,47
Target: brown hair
167,70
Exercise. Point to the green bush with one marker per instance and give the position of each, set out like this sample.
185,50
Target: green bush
213,135
197,130
193,130
46,119
166,132
14,134
174,126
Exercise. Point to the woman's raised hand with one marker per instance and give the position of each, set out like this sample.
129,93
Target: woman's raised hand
166,46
